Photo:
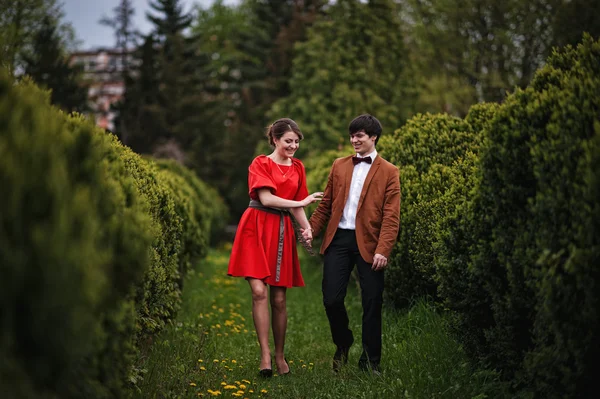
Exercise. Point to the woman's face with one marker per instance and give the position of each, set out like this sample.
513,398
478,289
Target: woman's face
287,145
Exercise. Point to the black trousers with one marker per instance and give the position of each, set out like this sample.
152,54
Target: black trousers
340,258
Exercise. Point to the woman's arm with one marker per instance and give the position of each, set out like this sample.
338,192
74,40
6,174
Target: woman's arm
269,199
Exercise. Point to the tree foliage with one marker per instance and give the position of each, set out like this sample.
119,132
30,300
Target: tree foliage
353,62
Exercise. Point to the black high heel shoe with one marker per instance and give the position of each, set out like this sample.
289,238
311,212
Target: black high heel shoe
265,373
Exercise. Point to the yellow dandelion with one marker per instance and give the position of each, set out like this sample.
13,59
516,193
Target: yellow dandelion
242,386
192,384
304,366
229,387
200,361
218,326
236,394
246,381
234,361
203,368
250,391
223,383
311,364
263,391
219,334
241,392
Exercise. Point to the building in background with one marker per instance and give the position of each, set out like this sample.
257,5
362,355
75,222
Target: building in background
103,72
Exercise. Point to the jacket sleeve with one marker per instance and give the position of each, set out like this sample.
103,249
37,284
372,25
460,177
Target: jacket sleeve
391,215
321,215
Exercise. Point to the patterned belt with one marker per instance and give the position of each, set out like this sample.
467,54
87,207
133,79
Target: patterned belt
282,213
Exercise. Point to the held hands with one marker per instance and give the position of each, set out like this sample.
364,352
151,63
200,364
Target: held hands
314,197
307,235
379,262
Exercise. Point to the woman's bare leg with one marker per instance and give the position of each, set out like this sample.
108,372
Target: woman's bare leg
279,322
260,314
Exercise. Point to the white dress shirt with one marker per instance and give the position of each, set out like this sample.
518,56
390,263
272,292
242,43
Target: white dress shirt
359,174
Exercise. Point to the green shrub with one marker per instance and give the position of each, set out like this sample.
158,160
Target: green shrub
74,241
430,151
158,299
533,232
189,209
212,212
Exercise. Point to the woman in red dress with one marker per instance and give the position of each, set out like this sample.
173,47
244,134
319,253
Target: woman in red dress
264,248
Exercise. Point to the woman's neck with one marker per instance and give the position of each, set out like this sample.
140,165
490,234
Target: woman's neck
280,160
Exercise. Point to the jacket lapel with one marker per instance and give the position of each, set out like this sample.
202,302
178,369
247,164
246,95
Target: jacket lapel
372,171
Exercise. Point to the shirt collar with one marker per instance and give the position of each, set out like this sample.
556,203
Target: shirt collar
372,155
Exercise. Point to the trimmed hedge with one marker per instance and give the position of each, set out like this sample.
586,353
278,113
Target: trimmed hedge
90,248
530,303
435,153
74,241
211,210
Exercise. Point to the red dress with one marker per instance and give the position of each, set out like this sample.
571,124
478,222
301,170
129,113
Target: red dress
254,252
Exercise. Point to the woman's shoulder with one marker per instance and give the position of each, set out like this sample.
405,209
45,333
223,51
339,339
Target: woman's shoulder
261,159
297,163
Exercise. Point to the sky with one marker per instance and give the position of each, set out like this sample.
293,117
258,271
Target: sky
85,14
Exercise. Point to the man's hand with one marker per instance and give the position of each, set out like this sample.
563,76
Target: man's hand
379,262
307,235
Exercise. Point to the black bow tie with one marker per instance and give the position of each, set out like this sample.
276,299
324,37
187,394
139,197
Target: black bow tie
357,160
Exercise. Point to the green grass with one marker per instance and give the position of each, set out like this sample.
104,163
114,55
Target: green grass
212,347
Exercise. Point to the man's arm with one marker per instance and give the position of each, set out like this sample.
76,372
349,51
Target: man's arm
318,220
391,216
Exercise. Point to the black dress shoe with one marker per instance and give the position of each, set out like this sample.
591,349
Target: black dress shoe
265,373
340,358
371,368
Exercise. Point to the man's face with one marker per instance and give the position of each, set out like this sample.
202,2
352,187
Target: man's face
362,143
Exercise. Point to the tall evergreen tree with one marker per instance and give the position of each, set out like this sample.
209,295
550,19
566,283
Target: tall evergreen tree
125,32
19,23
125,40
176,112
251,50
49,67
140,101
354,61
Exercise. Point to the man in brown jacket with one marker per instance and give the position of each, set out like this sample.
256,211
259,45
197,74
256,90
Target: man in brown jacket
360,212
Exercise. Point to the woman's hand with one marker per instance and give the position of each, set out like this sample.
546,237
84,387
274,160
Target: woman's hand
314,197
307,235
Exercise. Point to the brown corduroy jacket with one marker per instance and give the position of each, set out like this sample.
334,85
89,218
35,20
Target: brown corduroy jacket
378,212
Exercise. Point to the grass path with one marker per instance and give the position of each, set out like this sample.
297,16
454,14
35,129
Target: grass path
211,349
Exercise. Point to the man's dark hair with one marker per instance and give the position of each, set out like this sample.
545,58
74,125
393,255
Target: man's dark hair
367,123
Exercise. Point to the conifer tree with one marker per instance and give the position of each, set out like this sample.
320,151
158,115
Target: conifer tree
49,67
353,62
176,111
